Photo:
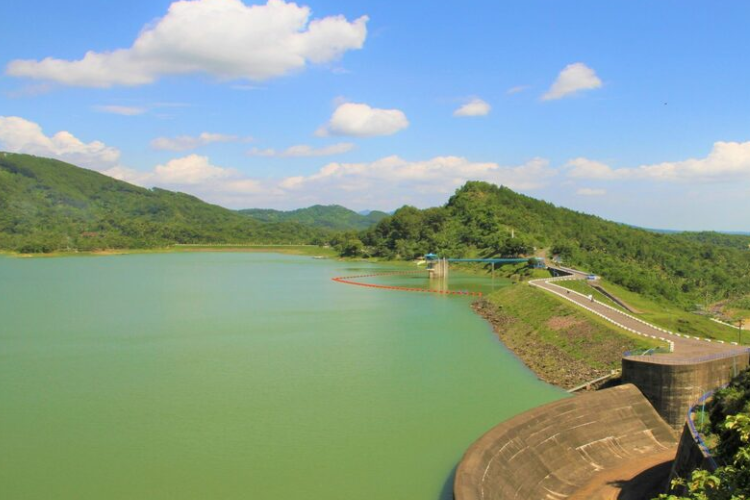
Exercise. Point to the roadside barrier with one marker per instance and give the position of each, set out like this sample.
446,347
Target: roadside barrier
348,281
696,435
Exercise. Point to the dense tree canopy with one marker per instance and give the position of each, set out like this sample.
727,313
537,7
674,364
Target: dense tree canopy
334,217
486,220
47,205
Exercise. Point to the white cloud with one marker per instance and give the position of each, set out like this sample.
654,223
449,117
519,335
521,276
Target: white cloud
475,107
725,162
573,78
361,120
516,89
583,168
395,176
303,150
223,38
591,192
187,142
121,110
192,169
388,182
18,135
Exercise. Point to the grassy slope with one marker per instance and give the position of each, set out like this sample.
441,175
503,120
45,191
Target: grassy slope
563,344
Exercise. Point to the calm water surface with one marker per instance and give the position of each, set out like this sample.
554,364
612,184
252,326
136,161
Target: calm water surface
240,376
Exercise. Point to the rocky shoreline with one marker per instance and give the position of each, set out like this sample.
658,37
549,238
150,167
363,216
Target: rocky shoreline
549,362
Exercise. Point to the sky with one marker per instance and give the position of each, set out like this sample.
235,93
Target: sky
636,111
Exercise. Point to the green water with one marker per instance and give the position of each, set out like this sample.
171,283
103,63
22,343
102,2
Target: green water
240,376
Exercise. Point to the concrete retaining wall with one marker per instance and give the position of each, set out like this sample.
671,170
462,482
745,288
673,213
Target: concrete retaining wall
551,451
690,456
673,388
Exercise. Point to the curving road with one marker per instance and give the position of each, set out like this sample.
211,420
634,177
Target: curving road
684,348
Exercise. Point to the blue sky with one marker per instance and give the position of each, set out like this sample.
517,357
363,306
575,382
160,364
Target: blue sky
636,111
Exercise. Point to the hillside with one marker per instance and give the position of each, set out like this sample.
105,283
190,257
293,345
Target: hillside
334,217
740,241
480,219
48,205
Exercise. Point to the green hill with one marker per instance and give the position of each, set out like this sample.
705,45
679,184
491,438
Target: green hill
334,217
739,241
480,219
48,205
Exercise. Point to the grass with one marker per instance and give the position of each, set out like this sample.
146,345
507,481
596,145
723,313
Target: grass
582,287
565,345
673,318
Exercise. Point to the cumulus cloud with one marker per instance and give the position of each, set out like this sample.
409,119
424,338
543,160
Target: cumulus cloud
223,38
391,181
441,174
475,107
187,142
591,192
18,135
121,110
583,168
303,150
726,161
361,120
573,78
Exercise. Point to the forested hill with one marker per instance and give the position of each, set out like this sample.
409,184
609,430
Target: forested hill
47,205
480,219
334,217
740,241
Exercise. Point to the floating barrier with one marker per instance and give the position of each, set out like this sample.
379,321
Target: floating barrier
348,280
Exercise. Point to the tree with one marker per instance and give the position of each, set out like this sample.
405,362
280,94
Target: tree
730,482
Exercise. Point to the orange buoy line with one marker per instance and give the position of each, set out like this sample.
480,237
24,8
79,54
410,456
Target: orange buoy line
348,281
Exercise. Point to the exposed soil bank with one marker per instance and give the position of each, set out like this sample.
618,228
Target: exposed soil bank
563,346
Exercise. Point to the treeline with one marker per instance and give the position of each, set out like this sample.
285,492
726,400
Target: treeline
332,217
48,205
484,220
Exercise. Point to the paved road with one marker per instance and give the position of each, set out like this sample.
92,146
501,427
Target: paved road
685,348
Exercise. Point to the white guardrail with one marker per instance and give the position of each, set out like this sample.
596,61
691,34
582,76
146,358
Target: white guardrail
670,343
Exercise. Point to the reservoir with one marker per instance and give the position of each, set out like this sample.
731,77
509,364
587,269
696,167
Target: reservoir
241,376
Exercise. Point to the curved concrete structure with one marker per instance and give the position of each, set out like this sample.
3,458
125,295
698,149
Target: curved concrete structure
552,451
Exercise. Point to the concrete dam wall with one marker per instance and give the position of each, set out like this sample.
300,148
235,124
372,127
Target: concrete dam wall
673,388
552,451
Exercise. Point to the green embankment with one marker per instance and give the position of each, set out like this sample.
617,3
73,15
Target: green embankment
563,344
663,313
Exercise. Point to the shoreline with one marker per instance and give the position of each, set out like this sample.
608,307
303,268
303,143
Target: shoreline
562,346
533,355
284,249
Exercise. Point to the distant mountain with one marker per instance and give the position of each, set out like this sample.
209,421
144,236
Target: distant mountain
334,217
48,205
